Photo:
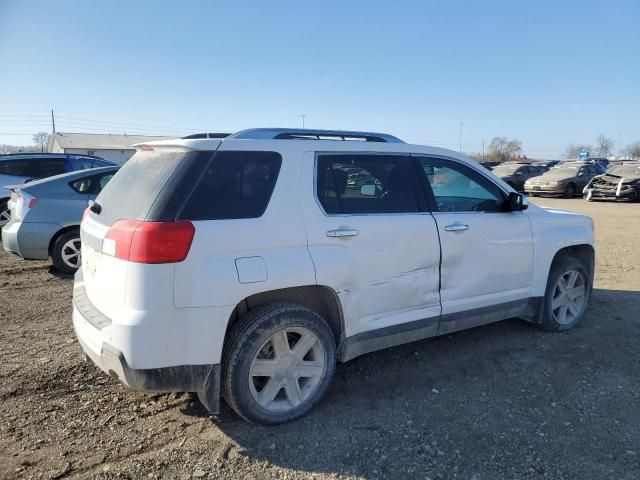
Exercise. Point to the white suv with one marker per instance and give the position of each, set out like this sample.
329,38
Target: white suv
251,264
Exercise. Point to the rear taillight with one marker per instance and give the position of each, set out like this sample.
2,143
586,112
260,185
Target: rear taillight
149,242
23,203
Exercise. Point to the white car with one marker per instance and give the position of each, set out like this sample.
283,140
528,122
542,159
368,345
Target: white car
249,265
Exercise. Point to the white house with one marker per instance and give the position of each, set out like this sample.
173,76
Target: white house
117,148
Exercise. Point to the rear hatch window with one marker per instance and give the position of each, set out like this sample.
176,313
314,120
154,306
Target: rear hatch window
132,193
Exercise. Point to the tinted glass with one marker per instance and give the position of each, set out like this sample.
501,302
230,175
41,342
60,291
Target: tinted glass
353,184
457,188
47,167
13,167
83,185
104,180
131,193
234,185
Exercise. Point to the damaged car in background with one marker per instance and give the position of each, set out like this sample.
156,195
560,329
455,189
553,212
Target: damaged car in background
621,182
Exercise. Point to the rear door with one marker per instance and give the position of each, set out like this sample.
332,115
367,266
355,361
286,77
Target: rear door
487,252
372,240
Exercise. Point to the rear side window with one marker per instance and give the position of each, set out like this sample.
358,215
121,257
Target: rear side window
235,184
13,167
132,192
361,183
47,167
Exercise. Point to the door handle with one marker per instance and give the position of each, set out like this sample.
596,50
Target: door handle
342,232
456,227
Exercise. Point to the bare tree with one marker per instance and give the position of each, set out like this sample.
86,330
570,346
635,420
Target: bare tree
633,150
41,139
573,151
604,146
502,149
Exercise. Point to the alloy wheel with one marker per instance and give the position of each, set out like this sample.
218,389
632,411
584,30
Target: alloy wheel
569,297
70,254
286,369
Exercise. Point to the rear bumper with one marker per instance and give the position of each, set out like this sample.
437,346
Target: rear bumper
92,330
28,240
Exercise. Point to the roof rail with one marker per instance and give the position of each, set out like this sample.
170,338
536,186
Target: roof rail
206,135
308,134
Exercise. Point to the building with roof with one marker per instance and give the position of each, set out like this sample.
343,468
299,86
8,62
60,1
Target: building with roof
117,148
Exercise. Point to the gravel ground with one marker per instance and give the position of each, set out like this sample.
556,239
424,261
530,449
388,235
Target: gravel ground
499,401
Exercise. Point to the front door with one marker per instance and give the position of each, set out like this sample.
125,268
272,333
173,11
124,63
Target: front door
373,241
487,252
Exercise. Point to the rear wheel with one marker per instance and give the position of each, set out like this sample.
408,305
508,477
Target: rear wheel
278,364
66,252
5,213
567,294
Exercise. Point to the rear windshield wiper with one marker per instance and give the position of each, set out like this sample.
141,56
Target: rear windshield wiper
95,207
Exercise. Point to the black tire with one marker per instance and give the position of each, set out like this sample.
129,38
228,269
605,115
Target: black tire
560,267
243,343
57,253
570,191
4,212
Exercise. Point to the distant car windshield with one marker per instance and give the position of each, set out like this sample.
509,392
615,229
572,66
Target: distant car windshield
506,169
565,169
625,170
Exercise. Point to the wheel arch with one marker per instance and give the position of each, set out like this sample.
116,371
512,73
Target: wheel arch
321,299
62,231
583,252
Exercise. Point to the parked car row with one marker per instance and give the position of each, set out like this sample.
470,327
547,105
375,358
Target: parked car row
590,178
41,206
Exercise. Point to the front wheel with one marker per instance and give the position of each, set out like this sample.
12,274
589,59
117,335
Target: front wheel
66,252
278,364
570,191
567,294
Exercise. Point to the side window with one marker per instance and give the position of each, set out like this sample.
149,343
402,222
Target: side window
46,167
103,181
83,185
458,188
361,183
234,185
17,168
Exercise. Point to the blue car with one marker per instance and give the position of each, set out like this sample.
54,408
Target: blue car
46,214
19,168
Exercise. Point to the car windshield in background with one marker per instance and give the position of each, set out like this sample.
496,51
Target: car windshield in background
506,169
568,169
625,170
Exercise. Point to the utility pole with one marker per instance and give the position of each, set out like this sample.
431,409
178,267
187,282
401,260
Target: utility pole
53,121
460,137
302,117
483,149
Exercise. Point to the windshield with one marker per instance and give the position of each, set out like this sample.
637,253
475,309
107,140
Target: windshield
506,169
565,170
625,170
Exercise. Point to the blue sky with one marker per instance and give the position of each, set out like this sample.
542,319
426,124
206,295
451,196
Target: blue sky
547,72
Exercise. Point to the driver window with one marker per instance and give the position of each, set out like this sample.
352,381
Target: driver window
457,188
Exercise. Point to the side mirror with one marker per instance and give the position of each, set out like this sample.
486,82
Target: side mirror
368,190
517,201
429,170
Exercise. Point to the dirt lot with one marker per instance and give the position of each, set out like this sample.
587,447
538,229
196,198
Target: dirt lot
500,401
